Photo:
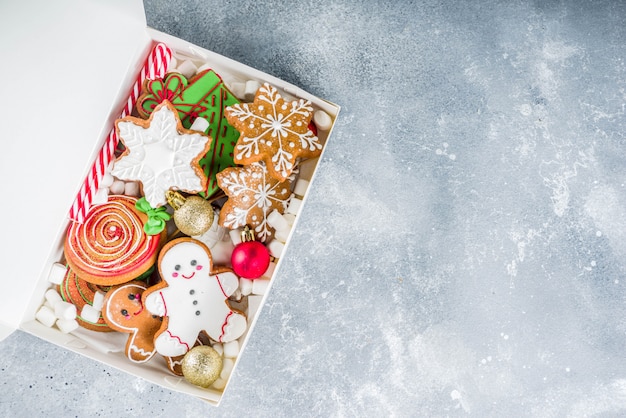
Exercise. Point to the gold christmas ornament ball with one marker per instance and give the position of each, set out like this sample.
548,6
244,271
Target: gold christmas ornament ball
193,215
202,366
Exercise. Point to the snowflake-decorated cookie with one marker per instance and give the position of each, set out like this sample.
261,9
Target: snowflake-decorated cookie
273,130
161,154
252,195
193,297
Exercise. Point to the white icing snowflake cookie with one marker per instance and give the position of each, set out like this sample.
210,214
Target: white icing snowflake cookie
161,154
193,297
274,131
252,195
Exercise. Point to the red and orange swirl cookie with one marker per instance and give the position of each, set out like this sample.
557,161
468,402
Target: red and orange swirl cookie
111,247
80,293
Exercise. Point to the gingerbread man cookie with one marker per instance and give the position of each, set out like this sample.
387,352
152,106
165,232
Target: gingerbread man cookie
273,130
193,298
124,311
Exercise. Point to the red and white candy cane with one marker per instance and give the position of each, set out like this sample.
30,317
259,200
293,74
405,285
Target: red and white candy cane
155,67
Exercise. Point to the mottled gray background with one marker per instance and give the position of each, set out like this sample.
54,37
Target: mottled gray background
462,251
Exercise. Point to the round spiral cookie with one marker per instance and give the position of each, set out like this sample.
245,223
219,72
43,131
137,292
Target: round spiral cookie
80,293
111,247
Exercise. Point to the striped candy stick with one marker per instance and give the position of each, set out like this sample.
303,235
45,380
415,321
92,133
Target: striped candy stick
155,67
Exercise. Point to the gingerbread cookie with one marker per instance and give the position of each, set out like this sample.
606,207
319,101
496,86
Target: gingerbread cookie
161,154
193,298
110,247
204,96
124,311
274,131
80,293
252,195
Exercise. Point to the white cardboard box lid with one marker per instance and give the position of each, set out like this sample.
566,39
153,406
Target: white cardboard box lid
64,65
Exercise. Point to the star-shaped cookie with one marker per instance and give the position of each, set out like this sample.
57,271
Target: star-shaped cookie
161,154
252,195
273,130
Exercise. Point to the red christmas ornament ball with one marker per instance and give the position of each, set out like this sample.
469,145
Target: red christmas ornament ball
250,259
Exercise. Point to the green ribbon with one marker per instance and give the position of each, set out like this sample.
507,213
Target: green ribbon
156,217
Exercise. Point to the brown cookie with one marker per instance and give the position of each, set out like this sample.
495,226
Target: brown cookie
273,130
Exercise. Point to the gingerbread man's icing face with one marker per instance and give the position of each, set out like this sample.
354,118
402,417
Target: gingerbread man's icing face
192,298
180,266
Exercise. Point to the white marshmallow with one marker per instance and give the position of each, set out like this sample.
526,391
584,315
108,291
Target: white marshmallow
67,325
270,270
322,120
259,286
290,217
275,248
219,348
199,124
46,316
98,301
251,88
132,189
64,310
52,296
282,234
172,65
231,349
238,90
57,273
222,252
219,384
235,236
204,67
117,187
300,187
227,368
276,221
107,180
245,285
294,205
101,196
90,314
186,68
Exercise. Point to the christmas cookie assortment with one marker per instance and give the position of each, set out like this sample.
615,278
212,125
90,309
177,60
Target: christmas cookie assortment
178,227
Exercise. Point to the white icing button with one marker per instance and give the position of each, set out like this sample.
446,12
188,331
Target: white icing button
231,349
227,368
251,88
132,189
117,187
67,325
294,205
276,221
98,301
52,296
57,273
186,68
300,187
199,124
90,314
46,316
259,286
322,120
245,285
275,248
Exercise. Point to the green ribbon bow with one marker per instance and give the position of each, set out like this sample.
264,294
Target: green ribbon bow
156,217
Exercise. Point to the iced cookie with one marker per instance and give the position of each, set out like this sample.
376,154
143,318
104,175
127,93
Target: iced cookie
274,131
204,96
161,154
193,298
124,311
110,247
252,195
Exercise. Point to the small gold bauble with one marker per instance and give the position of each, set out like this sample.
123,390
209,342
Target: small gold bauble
193,215
202,366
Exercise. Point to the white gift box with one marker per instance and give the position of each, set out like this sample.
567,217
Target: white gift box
68,68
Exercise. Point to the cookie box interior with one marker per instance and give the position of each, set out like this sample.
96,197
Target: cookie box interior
97,49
